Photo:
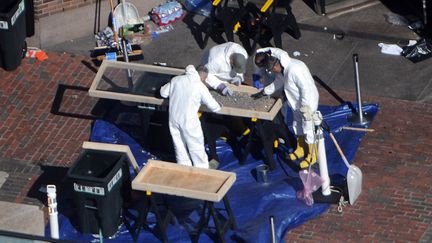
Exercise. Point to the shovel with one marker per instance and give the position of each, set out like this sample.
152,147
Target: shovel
126,13
354,175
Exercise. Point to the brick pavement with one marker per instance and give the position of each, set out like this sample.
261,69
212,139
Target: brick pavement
395,205
30,135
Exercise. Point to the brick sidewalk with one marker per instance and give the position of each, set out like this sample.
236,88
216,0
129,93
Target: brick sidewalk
396,159
30,135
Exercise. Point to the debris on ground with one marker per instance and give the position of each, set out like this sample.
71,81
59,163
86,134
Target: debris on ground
244,101
396,19
419,51
391,49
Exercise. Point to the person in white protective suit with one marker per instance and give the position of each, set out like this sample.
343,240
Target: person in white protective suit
186,93
301,93
226,63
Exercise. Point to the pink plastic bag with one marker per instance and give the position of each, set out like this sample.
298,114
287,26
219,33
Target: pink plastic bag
311,182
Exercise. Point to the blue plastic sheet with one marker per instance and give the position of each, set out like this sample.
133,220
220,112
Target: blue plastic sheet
202,7
252,202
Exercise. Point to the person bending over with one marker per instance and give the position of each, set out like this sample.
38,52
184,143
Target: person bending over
301,93
186,94
226,63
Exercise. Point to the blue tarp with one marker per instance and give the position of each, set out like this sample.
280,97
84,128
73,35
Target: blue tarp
252,203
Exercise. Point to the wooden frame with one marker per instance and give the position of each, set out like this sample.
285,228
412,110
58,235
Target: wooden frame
263,115
94,92
113,147
186,181
231,111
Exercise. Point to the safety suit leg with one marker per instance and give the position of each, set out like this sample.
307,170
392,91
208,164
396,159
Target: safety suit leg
195,145
311,157
182,156
299,152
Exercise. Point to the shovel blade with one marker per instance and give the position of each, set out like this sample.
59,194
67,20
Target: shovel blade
354,181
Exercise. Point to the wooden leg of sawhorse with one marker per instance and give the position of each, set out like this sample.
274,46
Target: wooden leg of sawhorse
209,211
162,223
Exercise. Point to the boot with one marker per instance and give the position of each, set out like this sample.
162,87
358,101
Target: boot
311,157
213,164
299,152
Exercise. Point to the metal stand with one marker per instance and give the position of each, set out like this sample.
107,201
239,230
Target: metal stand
359,118
209,211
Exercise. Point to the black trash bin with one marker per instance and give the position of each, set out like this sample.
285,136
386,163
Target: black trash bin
98,178
12,33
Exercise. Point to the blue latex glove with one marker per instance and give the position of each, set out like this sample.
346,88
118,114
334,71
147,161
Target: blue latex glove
237,80
257,84
257,81
224,90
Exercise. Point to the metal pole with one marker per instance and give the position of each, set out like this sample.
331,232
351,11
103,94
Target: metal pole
357,81
126,59
272,227
322,6
358,119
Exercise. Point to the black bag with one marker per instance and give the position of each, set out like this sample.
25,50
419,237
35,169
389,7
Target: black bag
418,52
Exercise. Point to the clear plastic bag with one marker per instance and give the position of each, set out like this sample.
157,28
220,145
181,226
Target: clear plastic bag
311,182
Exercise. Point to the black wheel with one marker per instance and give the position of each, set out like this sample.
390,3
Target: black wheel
24,50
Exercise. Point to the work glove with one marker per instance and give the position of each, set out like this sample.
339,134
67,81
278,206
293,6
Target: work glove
257,81
257,84
224,90
237,80
258,95
306,112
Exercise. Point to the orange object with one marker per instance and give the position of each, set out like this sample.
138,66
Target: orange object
41,56
37,53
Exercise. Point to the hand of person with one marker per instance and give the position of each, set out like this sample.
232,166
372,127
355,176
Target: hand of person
237,80
257,81
306,112
257,84
225,90
258,95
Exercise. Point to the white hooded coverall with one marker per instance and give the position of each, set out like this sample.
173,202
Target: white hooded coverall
299,88
186,93
217,61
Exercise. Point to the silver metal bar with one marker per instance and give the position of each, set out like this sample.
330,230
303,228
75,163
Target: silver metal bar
357,81
126,59
272,227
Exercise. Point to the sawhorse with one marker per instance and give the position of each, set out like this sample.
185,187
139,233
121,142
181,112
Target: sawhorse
207,185
209,211
150,204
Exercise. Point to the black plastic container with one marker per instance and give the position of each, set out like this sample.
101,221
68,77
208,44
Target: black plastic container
12,33
30,19
98,178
